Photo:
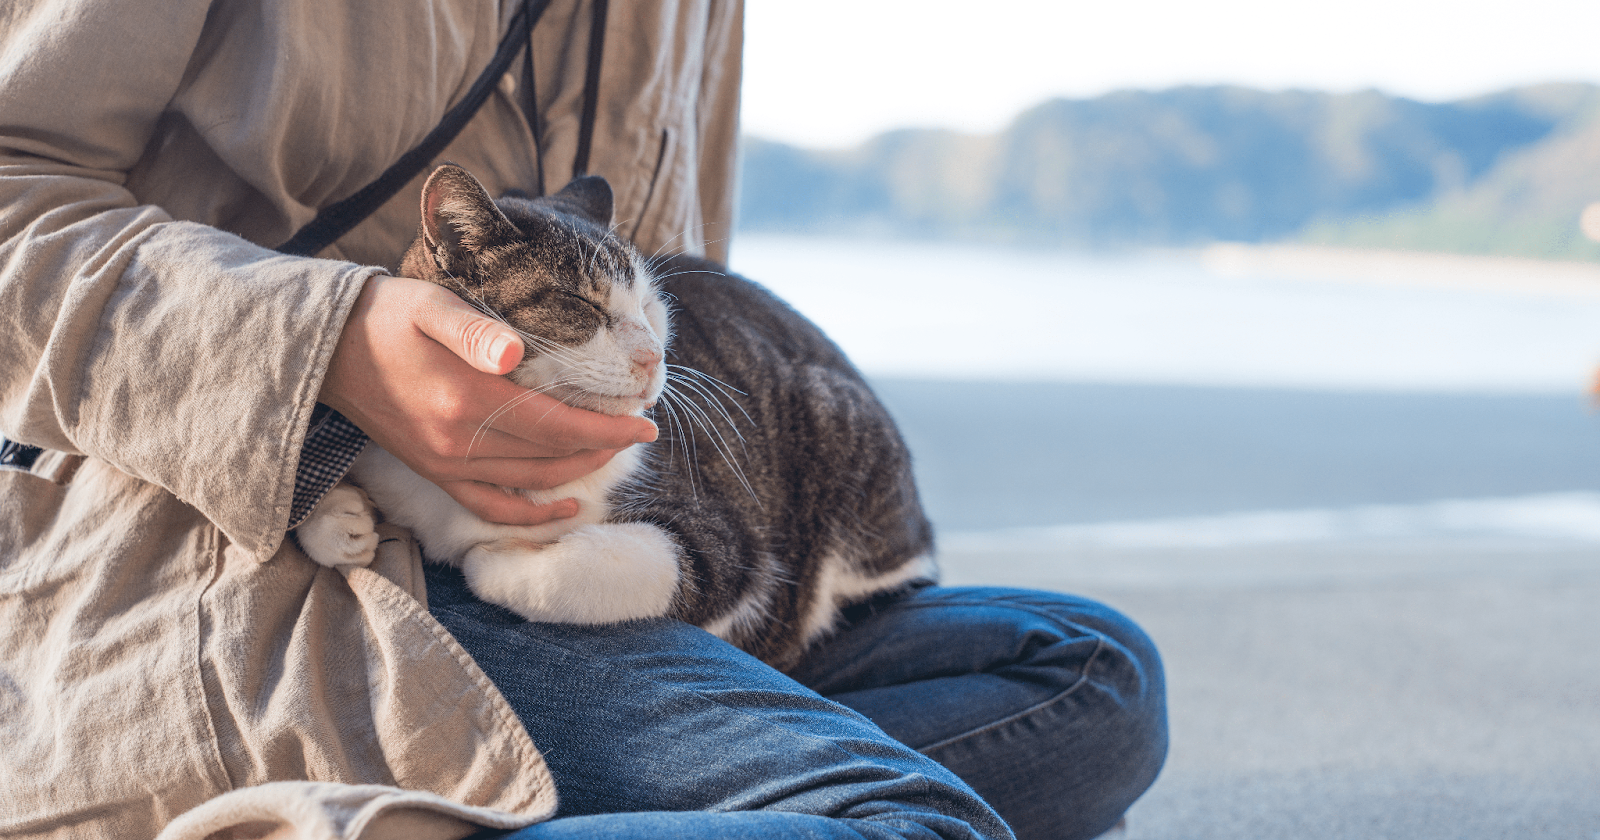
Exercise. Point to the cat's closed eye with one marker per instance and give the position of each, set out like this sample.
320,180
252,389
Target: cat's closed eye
605,316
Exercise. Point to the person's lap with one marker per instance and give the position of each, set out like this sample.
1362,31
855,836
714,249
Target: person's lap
644,721
1052,707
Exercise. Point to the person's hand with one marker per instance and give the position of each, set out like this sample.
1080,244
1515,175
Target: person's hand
422,373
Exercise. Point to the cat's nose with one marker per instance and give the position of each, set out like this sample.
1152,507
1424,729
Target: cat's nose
646,357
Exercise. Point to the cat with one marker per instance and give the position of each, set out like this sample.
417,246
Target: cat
779,490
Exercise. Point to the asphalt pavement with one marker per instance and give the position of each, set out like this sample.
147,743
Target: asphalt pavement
1357,693
1405,684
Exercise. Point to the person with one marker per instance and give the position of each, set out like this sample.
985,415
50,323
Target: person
172,665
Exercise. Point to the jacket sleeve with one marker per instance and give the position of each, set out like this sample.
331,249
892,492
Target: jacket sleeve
717,117
183,355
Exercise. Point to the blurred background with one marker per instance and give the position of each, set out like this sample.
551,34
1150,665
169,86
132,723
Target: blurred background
1270,324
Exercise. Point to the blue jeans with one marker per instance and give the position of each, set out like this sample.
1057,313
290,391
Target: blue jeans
1050,707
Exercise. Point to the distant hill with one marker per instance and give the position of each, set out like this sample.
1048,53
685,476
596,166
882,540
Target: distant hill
1505,173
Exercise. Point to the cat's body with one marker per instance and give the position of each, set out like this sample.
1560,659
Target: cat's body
778,492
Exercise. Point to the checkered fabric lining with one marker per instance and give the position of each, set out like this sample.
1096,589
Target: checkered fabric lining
331,446
17,456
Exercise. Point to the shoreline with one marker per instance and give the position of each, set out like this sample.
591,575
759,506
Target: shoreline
1428,269
1286,261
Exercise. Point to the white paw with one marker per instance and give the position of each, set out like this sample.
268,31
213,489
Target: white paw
598,574
341,530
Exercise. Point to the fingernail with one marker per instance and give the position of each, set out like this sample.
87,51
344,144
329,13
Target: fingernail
497,349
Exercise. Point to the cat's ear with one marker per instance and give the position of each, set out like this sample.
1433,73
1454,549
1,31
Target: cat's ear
589,197
459,218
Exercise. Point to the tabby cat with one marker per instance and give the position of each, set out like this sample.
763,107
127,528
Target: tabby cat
779,490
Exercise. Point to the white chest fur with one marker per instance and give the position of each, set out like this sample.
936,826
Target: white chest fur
448,531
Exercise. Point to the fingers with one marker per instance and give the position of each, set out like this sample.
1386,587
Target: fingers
421,372
524,473
495,348
496,505
494,443
498,419
559,428
474,337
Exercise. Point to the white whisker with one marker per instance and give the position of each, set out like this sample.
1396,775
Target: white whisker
720,443
683,442
678,371
485,427
712,401
681,233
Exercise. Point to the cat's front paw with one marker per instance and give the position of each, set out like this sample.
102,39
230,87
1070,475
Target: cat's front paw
598,574
341,530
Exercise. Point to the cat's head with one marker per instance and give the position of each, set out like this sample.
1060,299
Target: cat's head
593,325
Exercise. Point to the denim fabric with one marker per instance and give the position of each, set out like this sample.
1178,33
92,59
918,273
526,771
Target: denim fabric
1051,706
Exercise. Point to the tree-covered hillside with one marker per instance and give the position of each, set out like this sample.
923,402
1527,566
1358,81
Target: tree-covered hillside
1507,173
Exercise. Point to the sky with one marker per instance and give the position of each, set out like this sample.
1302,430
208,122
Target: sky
834,72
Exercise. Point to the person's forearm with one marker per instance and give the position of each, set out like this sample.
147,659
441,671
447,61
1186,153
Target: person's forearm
182,354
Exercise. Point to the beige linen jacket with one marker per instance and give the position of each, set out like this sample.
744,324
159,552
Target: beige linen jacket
169,664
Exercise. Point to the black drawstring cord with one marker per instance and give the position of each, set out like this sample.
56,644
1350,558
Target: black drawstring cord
530,108
591,88
336,220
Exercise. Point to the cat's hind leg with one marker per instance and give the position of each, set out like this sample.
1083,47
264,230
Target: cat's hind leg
597,574
341,530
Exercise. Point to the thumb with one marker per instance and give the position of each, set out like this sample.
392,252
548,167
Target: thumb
479,340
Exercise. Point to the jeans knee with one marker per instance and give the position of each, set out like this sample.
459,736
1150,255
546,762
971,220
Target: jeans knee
1070,765
1127,674
1129,656
1126,669
1125,662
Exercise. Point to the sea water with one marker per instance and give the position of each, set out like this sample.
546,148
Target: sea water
1207,399
970,312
